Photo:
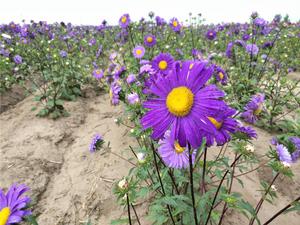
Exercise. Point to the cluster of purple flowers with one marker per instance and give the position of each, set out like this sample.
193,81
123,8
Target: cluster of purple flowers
184,110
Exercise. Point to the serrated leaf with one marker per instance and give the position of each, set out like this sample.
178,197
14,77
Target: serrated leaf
31,220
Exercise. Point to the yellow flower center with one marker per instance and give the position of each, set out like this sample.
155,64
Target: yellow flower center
162,65
124,19
178,148
110,94
98,72
191,66
149,39
4,215
175,23
221,75
217,124
138,51
258,110
180,101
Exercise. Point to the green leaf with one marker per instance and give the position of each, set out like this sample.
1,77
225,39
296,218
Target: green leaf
43,112
296,207
144,191
119,221
59,102
50,103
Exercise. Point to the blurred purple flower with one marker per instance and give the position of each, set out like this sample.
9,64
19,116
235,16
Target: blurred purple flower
18,59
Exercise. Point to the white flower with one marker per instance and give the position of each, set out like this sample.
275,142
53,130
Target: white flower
141,157
286,165
132,131
273,187
123,184
250,148
6,36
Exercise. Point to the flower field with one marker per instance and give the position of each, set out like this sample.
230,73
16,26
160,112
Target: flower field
150,122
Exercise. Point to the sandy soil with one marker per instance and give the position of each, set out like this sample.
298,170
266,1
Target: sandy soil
70,185
11,97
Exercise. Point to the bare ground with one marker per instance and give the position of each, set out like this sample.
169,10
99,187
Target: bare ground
69,185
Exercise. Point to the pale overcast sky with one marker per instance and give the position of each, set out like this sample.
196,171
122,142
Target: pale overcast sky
94,11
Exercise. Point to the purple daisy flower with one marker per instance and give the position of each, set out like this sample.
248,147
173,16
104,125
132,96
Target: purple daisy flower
96,143
248,131
246,37
221,75
138,52
252,49
12,204
18,59
130,79
114,91
124,21
112,56
211,34
296,153
98,74
175,25
267,44
274,141
146,69
149,40
260,22
283,154
224,124
183,103
253,108
296,141
240,43
160,21
92,42
63,54
119,72
133,98
173,154
229,49
163,63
